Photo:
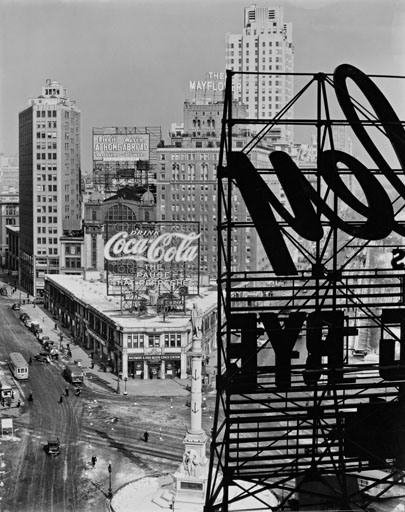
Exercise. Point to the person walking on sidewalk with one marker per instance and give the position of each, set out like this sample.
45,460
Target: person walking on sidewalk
94,460
67,391
146,436
61,399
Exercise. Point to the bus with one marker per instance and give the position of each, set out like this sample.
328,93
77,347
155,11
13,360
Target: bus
18,365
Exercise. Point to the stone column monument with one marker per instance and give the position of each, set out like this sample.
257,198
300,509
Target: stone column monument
190,480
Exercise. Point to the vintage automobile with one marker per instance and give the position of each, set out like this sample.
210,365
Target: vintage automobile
16,307
53,446
23,316
43,357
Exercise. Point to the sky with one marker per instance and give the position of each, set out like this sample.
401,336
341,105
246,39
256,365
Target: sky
129,62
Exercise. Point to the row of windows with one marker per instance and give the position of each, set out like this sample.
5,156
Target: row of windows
48,124
44,177
46,135
153,340
46,145
191,156
270,43
43,167
42,156
42,240
51,188
73,263
45,199
51,250
46,113
51,231
51,209
51,220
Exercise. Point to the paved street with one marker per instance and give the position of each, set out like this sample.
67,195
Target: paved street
100,422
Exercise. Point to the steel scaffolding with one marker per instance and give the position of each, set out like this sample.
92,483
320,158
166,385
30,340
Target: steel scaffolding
296,428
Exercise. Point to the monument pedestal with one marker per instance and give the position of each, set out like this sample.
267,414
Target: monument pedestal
190,480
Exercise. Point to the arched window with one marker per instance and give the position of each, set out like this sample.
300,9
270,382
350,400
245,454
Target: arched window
120,213
146,215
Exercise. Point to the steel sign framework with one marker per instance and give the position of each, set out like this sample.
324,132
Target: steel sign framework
311,362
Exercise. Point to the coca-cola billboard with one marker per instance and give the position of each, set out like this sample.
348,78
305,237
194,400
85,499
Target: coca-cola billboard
150,260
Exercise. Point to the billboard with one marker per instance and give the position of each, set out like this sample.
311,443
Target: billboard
311,349
126,147
152,260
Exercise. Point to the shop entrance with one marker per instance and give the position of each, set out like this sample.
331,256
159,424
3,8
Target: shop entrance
154,371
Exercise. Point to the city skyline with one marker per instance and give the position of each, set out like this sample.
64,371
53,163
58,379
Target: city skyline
105,61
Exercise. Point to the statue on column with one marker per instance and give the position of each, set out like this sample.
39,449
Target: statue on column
190,463
196,320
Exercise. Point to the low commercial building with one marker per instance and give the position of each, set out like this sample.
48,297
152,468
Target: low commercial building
149,342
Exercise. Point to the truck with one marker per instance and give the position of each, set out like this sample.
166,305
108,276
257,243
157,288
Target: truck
74,375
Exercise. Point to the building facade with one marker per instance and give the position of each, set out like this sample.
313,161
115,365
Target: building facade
129,204
49,176
186,187
145,345
266,46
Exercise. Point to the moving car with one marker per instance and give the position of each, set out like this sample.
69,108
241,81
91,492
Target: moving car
53,446
16,306
74,374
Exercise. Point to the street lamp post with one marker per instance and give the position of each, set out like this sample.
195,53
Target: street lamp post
125,385
109,495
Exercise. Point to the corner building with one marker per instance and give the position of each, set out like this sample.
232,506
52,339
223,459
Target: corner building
49,176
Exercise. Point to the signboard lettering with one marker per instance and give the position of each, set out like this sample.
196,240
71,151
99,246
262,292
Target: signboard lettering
160,249
306,204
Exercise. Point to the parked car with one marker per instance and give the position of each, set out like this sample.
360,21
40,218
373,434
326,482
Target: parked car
16,306
23,316
44,339
40,335
35,326
43,357
53,446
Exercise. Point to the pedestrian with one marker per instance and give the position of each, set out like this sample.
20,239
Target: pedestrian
61,399
94,460
92,365
30,397
146,436
12,395
18,404
30,360
9,402
2,401
78,391
67,391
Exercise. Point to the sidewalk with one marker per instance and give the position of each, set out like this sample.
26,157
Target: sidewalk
96,377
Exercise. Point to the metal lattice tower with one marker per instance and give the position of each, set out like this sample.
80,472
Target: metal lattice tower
303,426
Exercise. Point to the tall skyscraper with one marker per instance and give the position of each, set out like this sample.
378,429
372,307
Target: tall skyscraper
49,171
264,46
